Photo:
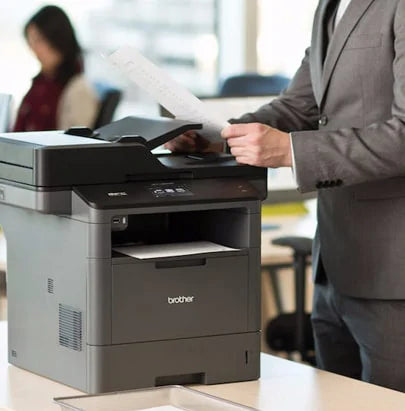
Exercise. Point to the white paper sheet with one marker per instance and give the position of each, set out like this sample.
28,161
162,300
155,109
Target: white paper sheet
172,250
51,138
170,94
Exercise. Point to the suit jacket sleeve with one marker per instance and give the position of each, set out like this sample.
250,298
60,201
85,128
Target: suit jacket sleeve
359,155
295,109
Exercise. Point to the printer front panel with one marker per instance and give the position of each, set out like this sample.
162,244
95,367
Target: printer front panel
187,308
188,295
235,271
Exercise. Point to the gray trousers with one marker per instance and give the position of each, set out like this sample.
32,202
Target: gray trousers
360,338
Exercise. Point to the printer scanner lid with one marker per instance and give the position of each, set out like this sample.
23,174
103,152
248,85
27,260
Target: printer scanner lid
117,153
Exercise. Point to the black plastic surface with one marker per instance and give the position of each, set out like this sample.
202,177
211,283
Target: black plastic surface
143,194
152,132
125,159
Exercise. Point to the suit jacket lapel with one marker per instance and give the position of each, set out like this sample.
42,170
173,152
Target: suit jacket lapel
318,44
353,14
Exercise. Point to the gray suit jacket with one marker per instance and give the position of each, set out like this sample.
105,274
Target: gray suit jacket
347,118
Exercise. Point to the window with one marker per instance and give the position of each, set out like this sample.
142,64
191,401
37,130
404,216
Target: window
196,41
284,32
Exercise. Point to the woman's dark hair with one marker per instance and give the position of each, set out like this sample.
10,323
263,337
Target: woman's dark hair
55,26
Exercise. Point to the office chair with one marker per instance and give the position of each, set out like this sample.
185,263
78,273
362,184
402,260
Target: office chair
109,99
253,84
293,332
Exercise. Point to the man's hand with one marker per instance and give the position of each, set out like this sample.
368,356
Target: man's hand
258,145
191,142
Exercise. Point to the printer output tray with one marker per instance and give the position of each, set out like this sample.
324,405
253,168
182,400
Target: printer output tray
151,132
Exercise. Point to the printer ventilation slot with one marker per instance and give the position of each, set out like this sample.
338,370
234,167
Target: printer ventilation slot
70,328
50,285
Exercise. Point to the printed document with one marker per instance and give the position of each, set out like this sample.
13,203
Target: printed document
170,94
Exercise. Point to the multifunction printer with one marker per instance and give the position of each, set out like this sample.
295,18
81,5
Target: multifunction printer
128,269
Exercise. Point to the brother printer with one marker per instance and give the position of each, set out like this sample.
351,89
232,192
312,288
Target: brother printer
82,311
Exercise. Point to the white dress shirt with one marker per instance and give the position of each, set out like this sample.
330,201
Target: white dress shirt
341,10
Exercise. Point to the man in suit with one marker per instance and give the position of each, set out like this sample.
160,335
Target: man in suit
341,126
348,102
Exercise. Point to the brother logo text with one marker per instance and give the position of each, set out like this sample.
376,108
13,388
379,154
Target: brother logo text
180,300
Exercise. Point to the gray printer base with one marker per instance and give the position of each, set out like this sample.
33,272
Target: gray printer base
203,360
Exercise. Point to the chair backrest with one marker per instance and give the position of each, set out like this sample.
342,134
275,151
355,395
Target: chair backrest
109,99
5,109
253,84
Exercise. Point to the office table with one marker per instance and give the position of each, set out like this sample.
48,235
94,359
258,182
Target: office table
284,386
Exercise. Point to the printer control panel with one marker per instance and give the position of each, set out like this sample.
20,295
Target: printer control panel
144,194
170,189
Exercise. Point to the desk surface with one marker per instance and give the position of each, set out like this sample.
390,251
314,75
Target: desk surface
284,386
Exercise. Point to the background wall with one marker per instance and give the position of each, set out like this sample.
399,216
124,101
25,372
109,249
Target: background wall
197,41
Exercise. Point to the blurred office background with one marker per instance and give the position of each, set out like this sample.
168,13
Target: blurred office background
199,42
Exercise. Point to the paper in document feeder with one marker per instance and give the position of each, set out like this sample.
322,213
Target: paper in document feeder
145,252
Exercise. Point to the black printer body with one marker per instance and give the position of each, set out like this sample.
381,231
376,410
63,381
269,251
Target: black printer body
86,313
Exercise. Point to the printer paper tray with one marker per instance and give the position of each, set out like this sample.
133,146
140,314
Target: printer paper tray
181,298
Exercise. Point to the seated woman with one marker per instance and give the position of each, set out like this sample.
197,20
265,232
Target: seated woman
60,96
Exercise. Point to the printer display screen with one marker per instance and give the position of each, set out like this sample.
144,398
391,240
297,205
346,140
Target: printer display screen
170,190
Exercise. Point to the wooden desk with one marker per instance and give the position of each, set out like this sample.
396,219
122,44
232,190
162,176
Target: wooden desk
284,386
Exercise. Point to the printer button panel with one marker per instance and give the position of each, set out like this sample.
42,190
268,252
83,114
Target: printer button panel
141,194
171,189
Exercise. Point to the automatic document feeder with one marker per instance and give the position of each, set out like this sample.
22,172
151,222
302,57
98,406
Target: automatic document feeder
128,269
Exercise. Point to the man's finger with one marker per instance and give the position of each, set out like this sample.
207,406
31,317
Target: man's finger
236,130
186,138
242,160
181,143
191,133
237,142
239,151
